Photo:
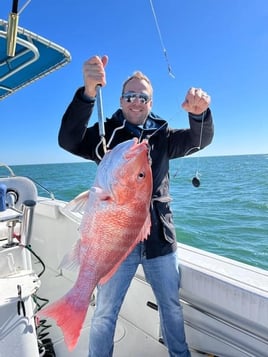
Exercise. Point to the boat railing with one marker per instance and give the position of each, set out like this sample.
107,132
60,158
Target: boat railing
34,57
30,54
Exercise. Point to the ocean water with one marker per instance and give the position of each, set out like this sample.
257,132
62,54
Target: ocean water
227,214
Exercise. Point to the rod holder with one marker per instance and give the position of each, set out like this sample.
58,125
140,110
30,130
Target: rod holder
12,30
27,221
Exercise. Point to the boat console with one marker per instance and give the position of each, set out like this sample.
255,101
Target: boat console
18,196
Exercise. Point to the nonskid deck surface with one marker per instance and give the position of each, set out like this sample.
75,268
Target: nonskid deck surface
134,343
129,340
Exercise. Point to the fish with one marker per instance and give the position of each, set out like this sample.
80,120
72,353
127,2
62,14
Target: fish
115,219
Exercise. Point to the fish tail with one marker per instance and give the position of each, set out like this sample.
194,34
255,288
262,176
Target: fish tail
69,317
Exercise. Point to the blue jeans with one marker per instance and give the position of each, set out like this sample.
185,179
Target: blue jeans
163,275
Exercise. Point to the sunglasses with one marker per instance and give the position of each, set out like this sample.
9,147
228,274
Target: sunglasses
131,96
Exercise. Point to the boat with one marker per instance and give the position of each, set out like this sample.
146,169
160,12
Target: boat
225,302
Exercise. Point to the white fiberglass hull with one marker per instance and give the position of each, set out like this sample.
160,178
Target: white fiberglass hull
225,303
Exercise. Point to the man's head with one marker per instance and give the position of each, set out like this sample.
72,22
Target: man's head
136,99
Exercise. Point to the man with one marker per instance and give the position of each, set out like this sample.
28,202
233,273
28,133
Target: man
157,254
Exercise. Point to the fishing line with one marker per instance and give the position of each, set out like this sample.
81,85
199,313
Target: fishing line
196,178
115,130
109,142
24,6
161,40
149,136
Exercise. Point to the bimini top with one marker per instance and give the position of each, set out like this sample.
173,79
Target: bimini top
34,58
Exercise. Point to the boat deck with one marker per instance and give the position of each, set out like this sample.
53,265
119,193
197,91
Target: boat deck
130,340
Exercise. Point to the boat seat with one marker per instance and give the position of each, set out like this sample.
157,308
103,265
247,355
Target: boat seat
21,187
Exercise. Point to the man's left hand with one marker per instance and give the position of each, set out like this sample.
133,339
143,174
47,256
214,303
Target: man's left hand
196,101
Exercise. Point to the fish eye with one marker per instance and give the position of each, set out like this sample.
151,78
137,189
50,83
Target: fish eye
141,175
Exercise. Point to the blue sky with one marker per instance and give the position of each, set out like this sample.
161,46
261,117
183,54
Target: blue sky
218,45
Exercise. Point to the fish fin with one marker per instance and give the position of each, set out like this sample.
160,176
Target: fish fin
71,260
102,194
144,232
69,316
76,207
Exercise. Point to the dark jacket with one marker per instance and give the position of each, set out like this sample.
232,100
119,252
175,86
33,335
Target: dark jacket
165,144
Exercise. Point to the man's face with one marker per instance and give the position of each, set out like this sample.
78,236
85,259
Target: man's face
136,101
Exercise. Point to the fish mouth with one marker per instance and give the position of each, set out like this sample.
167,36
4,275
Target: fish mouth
136,148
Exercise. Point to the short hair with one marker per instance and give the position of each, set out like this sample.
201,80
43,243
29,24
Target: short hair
137,75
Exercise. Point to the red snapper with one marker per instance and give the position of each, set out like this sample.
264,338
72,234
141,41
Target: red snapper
116,218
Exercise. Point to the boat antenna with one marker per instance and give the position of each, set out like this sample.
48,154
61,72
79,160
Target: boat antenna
161,40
